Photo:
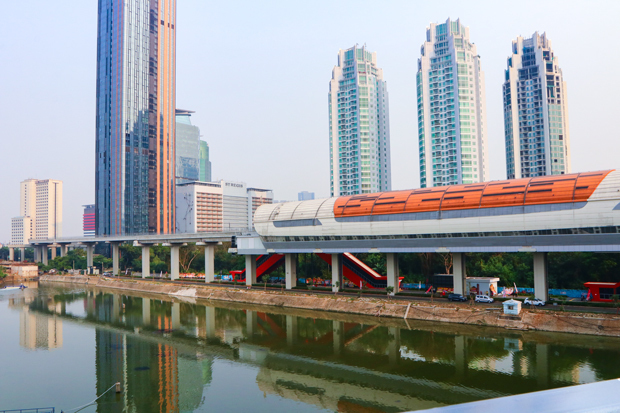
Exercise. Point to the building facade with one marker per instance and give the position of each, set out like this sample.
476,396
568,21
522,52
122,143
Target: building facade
305,196
535,111
359,125
40,206
88,221
187,148
135,117
218,206
205,163
451,108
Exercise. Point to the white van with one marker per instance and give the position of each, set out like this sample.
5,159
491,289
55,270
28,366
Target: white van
483,299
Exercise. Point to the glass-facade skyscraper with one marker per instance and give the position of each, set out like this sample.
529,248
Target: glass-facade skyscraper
359,131
451,108
135,124
187,148
205,163
535,111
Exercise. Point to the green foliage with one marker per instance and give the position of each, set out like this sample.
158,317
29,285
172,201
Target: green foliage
4,253
2,272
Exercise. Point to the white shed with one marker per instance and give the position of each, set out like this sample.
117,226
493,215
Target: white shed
512,307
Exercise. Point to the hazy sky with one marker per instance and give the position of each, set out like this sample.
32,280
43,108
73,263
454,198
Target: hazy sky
257,75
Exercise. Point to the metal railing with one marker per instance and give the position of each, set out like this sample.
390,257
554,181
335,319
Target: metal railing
33,410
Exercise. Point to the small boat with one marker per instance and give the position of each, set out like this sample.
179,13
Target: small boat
9,289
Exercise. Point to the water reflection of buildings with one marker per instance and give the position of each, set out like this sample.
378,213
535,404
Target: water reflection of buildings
162,352
154,376
37,330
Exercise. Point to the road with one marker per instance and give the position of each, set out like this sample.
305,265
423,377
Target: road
439,300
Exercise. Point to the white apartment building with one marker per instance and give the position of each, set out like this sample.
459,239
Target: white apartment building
359,125
451,108
535,111
217,206
40,207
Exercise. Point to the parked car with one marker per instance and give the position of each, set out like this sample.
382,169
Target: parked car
456,297
533,301
483,299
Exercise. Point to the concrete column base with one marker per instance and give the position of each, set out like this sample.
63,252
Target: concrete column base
336,272
146,261
541,287
392,271
250,270
290,269
174,261
458,267
209,263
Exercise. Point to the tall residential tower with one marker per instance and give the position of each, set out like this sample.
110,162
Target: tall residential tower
535,111
359,131
135,122
451,108
40,209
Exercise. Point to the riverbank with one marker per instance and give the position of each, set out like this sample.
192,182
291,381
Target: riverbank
532,320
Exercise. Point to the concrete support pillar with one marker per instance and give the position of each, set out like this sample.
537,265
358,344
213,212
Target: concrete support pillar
146,311
209,263
394,345
146,261
23,254
541,287
53,253
176,316
251,322
338,333
250,270
63,250
542,366
392,271
37,253
291,330
460,355
90,249
336,272
44,254
174,261
11,254
210,322
458,266
290,270
115,258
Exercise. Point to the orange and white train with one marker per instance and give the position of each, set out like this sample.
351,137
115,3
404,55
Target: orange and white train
488,216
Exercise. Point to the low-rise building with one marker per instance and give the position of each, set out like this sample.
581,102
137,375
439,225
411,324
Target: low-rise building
217,206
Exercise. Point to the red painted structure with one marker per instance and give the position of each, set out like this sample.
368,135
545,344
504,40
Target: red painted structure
602,291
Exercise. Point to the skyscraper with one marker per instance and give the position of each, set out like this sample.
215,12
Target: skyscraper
40,208
205,163
359,131
88,221
187,148
135,125
451,108
535,111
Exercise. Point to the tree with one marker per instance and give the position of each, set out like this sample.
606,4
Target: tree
389,290
187,255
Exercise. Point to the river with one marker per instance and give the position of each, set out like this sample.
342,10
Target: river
62,347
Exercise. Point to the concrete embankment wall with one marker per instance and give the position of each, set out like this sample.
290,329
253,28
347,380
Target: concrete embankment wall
536,320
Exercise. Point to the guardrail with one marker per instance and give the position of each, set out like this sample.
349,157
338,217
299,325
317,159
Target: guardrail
33,410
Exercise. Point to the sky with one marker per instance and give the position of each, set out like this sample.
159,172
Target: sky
257,75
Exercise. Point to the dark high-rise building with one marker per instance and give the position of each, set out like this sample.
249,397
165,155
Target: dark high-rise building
136,70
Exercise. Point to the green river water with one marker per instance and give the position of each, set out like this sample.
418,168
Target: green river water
62,347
